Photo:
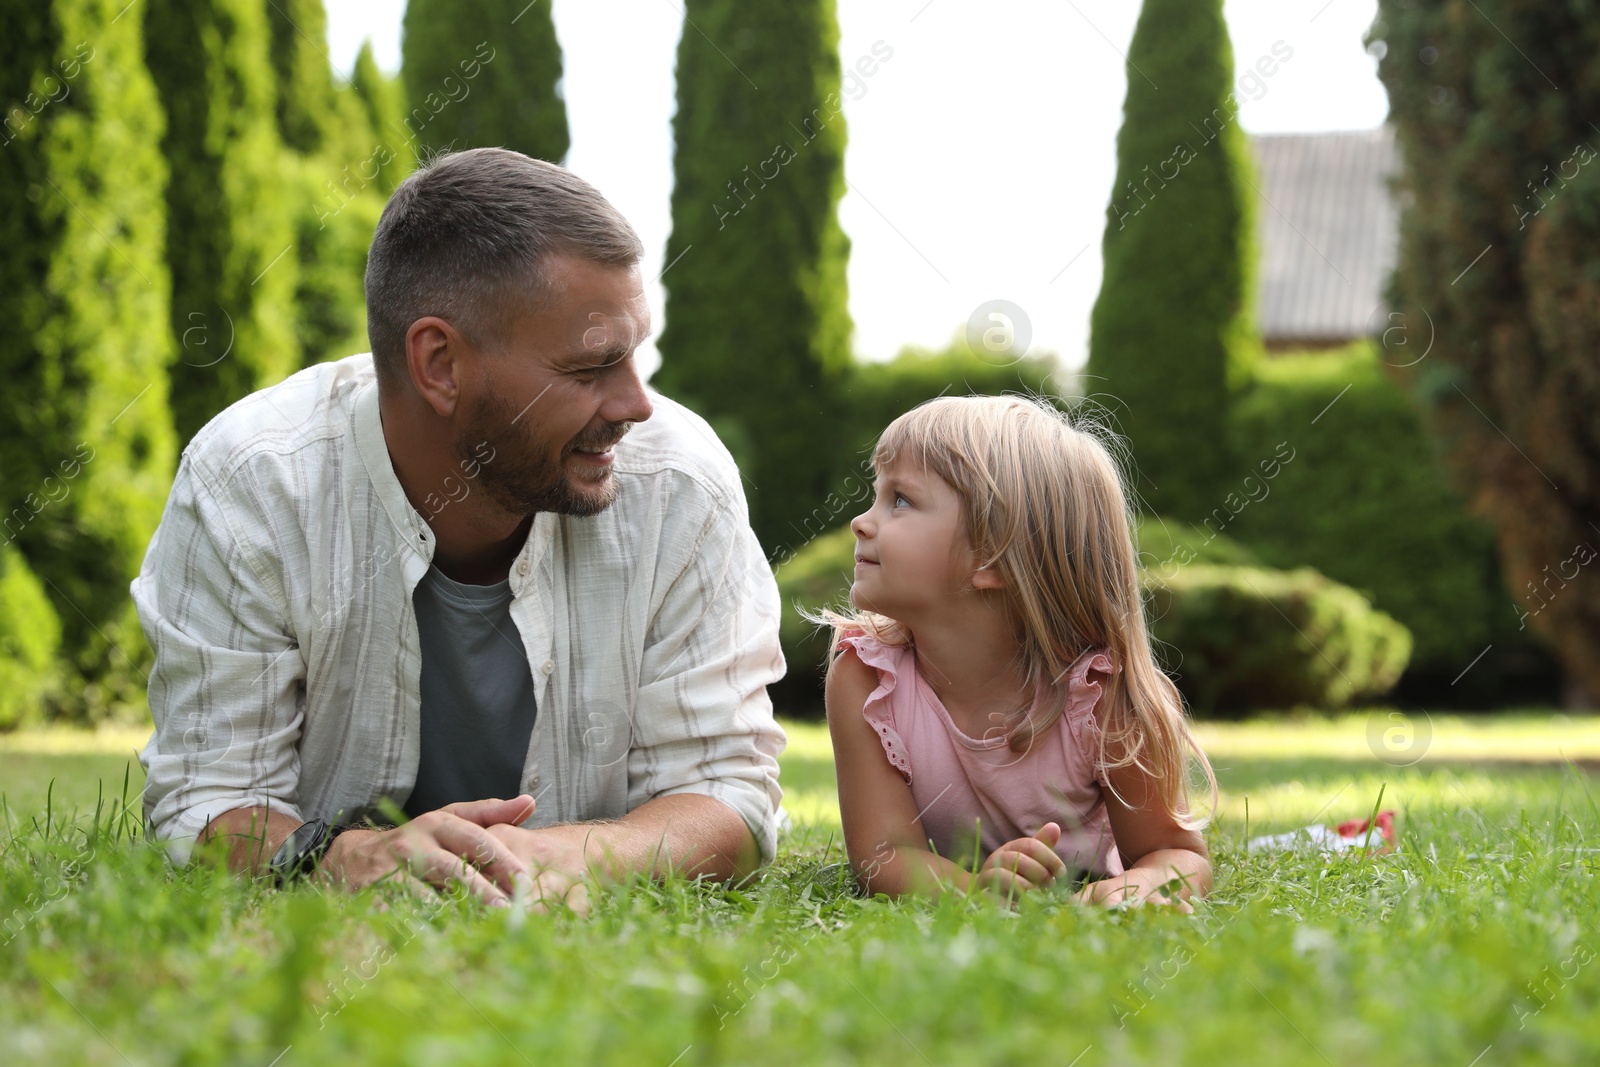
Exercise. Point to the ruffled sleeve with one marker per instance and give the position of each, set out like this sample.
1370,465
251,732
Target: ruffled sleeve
1083,698
889,662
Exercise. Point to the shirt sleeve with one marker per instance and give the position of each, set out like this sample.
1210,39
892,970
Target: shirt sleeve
703,721
226,692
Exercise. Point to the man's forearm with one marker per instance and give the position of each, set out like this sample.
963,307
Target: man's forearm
252,834
689,834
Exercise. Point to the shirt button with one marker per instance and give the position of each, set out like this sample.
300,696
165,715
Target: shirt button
533,783
549,665
522,566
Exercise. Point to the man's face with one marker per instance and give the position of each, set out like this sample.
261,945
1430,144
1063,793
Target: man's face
558,391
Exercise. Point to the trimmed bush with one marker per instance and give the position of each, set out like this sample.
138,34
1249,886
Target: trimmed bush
818,576
30,638
1366,501
1165,544
1249,637
1232,628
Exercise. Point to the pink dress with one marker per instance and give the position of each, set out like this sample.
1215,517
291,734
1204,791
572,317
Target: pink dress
961,783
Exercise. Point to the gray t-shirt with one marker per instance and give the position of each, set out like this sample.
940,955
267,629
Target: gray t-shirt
477,694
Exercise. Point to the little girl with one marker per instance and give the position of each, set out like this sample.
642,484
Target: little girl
992,698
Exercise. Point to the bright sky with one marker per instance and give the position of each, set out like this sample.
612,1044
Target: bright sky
981,153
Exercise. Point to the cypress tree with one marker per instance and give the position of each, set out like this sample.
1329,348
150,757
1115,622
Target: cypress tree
30,642
337,206
1497,288
757,336
230,233
338,162
298,48
383,102
324,130
484,74
86,442
1172,331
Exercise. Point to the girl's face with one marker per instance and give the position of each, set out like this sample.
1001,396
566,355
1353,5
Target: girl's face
911,548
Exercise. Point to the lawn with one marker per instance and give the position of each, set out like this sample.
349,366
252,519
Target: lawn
1472,944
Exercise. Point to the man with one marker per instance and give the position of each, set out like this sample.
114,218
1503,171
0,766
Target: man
484,561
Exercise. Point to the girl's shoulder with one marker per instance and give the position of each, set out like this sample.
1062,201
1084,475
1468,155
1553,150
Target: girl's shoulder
891,667
1083,681
864,641
1084,709
890,660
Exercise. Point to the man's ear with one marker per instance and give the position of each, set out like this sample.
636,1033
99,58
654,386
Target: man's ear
433,353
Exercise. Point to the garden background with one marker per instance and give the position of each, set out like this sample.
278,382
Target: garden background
1397,527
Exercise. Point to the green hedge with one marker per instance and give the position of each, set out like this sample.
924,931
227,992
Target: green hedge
872,395
30,639
1232,628
818,576
1165,544
1248,637
1353,490
875,394
1365,501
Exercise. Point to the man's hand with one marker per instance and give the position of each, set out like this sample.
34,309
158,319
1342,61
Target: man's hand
1134,887
1026,863
558,859
457,843
687,834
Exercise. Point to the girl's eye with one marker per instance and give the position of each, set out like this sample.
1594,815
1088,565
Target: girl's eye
900,498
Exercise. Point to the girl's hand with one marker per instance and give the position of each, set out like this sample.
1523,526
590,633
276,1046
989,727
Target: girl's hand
1132,888
1026,863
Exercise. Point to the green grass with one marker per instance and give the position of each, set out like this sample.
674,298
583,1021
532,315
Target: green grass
1474,943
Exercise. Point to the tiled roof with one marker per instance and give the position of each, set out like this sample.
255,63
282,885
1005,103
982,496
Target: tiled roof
1326,230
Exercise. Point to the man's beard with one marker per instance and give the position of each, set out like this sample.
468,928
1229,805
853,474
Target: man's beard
496,443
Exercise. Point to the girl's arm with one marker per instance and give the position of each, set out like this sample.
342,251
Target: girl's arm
883,831
1154,848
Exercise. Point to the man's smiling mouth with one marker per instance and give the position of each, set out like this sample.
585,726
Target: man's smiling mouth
602,450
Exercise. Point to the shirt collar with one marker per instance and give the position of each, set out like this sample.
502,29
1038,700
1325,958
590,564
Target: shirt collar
367,424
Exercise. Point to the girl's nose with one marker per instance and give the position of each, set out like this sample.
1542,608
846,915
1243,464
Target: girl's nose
859,526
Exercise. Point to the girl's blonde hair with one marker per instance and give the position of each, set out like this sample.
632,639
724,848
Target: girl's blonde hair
1045,506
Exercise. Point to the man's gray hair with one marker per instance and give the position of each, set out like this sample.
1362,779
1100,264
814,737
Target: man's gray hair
465,238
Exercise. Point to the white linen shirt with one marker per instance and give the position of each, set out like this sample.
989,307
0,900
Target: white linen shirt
276,594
